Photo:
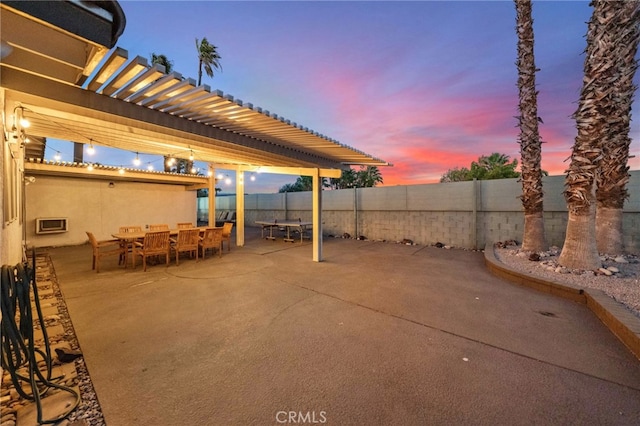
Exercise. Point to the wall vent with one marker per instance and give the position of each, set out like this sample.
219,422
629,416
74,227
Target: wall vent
51,225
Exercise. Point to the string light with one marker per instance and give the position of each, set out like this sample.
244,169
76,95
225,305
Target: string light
121,170
227,180
194,170
220,176
149,166
90,167
191,157
136,161
253,177
90,149
57,156
210,173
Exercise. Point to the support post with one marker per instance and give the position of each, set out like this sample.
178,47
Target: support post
317,216
240,208
212,196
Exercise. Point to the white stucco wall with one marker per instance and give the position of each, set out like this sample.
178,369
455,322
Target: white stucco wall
92,205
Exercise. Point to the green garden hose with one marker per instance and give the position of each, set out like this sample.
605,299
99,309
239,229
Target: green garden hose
17,342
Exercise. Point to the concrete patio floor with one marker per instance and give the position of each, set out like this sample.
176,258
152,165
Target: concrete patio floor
378,333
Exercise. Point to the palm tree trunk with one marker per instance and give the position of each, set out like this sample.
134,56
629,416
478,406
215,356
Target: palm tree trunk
609,234
530,145
623,30
580,250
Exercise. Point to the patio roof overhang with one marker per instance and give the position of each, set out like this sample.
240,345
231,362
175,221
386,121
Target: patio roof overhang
72,86
75,89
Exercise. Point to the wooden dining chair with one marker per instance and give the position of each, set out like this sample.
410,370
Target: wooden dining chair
158,227
185,225
212,238
104,248
127,245
226,234
186,241
154,244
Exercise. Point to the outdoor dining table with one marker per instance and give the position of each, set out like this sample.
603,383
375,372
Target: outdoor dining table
287,224
129,237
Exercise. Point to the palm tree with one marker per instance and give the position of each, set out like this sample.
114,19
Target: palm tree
530,145
208,58
161,59
368,177
594,109
613,178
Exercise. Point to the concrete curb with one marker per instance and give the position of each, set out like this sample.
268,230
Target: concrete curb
622,323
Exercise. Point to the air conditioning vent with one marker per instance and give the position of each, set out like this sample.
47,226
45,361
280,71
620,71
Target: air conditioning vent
51,225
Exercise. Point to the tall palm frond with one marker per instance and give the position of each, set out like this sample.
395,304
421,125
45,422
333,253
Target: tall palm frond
208,58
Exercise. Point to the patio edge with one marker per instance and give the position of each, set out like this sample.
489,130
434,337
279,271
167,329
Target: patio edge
622,323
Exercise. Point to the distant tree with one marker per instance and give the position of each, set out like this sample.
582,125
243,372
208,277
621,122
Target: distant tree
208,58
494,166
160,59
368,177
303,183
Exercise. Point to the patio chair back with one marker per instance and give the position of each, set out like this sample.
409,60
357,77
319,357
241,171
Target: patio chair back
158,227
187,240
104,248
226,234
212,238
154,244
129,229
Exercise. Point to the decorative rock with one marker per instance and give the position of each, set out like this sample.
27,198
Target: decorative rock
534,257
620,259
613,269
521,254
605,271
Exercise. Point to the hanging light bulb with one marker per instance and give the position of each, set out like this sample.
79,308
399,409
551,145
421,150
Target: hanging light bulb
57,156
227,180
253,177
194,170
90,167
220,176
136,161
191,157
210,173
171,161
121,170
149,166
90,149
24,123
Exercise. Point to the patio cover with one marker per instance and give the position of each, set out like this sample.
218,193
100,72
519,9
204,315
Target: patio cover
73,88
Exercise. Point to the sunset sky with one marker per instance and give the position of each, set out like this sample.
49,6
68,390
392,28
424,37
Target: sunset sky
424,85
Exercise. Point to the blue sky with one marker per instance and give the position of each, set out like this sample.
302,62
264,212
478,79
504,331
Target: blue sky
424,85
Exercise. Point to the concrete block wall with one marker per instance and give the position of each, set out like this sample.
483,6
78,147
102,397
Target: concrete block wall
462,214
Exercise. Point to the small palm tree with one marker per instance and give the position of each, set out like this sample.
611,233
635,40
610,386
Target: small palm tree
208,58
161,59
368,177
530,145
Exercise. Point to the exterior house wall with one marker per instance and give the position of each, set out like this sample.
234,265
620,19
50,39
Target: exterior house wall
462,214
93,205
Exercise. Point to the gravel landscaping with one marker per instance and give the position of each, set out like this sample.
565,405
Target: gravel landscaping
619,276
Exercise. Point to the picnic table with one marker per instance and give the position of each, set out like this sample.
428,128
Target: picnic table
298,225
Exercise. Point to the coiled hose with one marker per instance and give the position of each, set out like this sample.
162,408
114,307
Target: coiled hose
18,347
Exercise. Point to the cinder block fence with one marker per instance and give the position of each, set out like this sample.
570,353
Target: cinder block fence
461,214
